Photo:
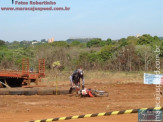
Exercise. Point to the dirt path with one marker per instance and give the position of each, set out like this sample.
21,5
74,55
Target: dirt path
121,97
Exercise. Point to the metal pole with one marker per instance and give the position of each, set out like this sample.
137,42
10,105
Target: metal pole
5,84
56,84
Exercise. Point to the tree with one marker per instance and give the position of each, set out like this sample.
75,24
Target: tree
43,41
156,41
106,52
108,41
126,59
75,43
14,44
161,49
145,39
132,40
25,43
95,43
122,42
146,55
60,44
2,43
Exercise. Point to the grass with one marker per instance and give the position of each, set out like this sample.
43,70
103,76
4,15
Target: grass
107,77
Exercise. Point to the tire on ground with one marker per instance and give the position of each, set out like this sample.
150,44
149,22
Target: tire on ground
16,92
4,92
45,92
64,91
30,92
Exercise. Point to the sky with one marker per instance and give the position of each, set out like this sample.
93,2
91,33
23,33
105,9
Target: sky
104,19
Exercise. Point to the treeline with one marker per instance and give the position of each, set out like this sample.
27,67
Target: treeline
127,54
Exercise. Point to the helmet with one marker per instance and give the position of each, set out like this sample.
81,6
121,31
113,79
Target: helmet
80,71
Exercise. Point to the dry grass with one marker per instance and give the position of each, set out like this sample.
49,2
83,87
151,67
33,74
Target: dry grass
107,77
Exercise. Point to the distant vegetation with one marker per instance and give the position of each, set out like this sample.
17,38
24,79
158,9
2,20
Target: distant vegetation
126,54
79,40
161,38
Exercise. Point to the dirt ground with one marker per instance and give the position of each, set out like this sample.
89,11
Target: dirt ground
121,97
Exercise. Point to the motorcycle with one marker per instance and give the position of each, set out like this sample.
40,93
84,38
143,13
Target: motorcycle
87,92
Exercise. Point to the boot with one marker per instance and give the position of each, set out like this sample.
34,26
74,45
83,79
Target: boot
70,91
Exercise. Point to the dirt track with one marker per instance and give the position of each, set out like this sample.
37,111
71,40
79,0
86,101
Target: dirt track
121,97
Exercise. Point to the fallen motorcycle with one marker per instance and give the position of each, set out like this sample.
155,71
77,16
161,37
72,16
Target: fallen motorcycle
87,92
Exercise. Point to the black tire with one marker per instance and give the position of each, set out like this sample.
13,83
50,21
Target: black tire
4,92
45,92
31,92
16,92
58,92
63,91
